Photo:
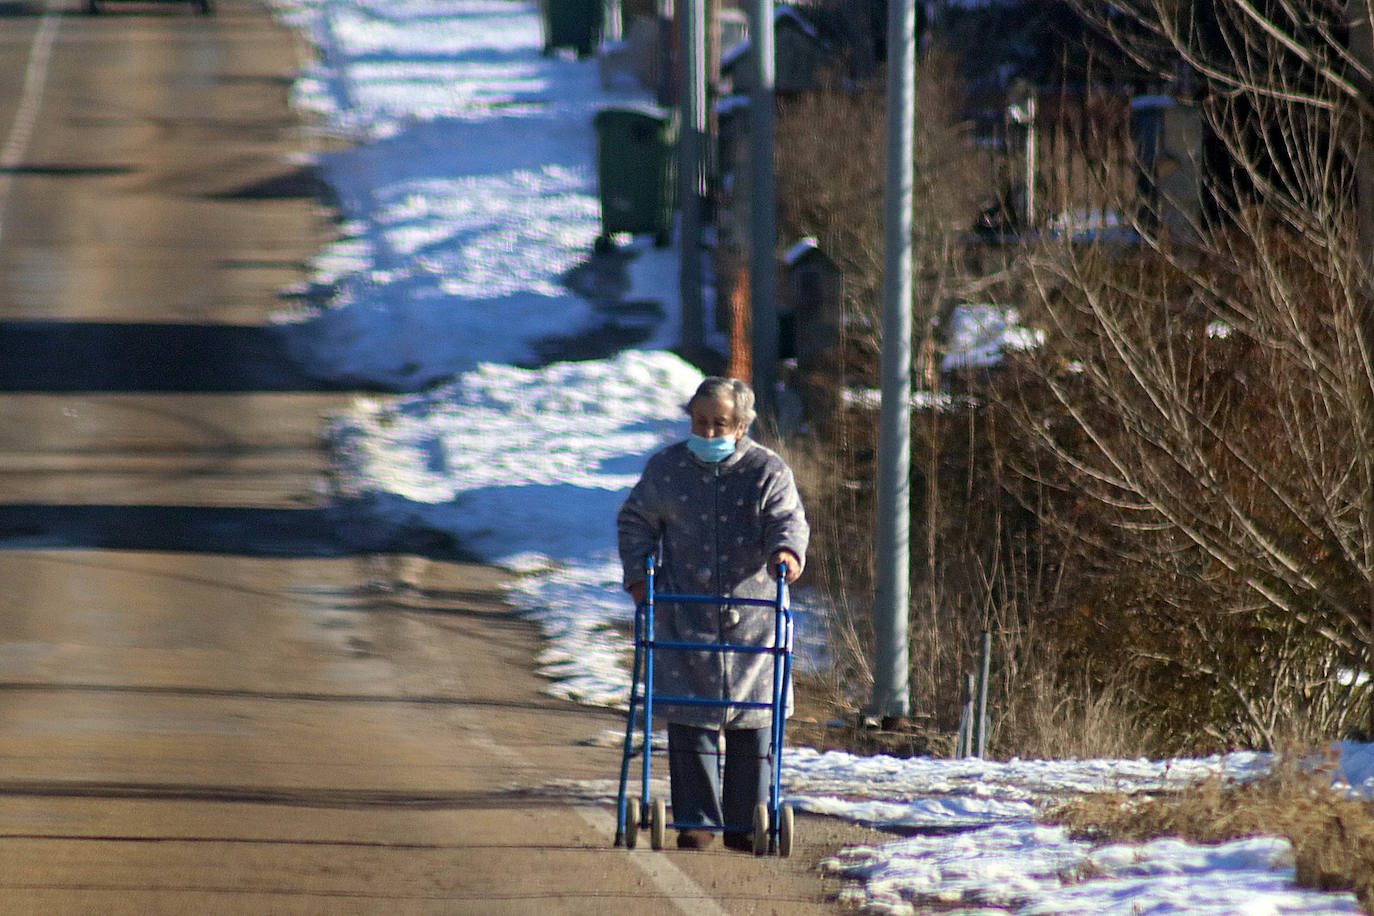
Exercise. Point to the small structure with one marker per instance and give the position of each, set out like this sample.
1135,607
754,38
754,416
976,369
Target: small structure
798,53
731,115
809,325
636,172
1168,139
571,24
732,27
631,63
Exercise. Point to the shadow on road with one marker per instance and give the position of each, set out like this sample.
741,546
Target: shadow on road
52,356
543,705
272,795
340,530
67,170
302,183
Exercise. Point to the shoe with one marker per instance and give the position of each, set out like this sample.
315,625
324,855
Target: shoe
744,842
695,839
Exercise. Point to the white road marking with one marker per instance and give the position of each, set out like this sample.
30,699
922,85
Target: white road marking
26,115
679,889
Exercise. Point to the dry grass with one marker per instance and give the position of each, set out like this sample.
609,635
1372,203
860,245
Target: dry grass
828,721
1332,835
1052,721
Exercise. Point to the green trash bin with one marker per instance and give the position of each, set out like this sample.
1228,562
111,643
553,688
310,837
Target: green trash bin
636,171
572,24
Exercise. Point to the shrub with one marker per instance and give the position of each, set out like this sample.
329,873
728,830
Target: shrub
1332,835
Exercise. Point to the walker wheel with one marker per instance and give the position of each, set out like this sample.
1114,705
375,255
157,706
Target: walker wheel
760,829
633,811
785,827
658,824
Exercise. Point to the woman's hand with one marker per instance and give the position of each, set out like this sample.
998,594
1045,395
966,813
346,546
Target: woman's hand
639,591
788,563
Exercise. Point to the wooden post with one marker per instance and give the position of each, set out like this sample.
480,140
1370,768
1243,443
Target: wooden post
982,717
740,364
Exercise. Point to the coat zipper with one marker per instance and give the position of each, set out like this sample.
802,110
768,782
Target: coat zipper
720,608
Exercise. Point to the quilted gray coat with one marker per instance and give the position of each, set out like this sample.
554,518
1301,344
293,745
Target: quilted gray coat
713,528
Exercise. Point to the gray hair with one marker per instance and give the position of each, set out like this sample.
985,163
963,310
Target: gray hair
716,387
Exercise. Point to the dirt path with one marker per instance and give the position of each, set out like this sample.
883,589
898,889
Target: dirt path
207,704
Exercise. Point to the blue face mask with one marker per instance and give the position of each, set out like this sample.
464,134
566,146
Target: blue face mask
712,450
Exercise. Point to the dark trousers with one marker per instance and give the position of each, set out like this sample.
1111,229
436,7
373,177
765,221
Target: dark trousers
695,781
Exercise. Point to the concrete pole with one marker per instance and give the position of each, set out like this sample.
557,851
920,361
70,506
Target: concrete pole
891,594
1032,165
667,53
762,210
984,673
1362,47
613,26
691,172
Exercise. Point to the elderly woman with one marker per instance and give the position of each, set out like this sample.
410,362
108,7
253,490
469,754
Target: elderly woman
722,515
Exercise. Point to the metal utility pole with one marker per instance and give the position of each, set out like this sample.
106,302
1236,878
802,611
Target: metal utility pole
762,209
891,594
691,171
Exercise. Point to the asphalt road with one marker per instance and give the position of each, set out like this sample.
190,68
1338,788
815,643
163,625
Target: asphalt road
210,701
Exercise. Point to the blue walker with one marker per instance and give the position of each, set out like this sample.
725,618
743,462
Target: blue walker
773,820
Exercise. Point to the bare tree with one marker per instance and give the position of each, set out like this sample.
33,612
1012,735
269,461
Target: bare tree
1209,389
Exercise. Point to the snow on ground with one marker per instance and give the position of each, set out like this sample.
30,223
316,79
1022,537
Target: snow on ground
469,191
